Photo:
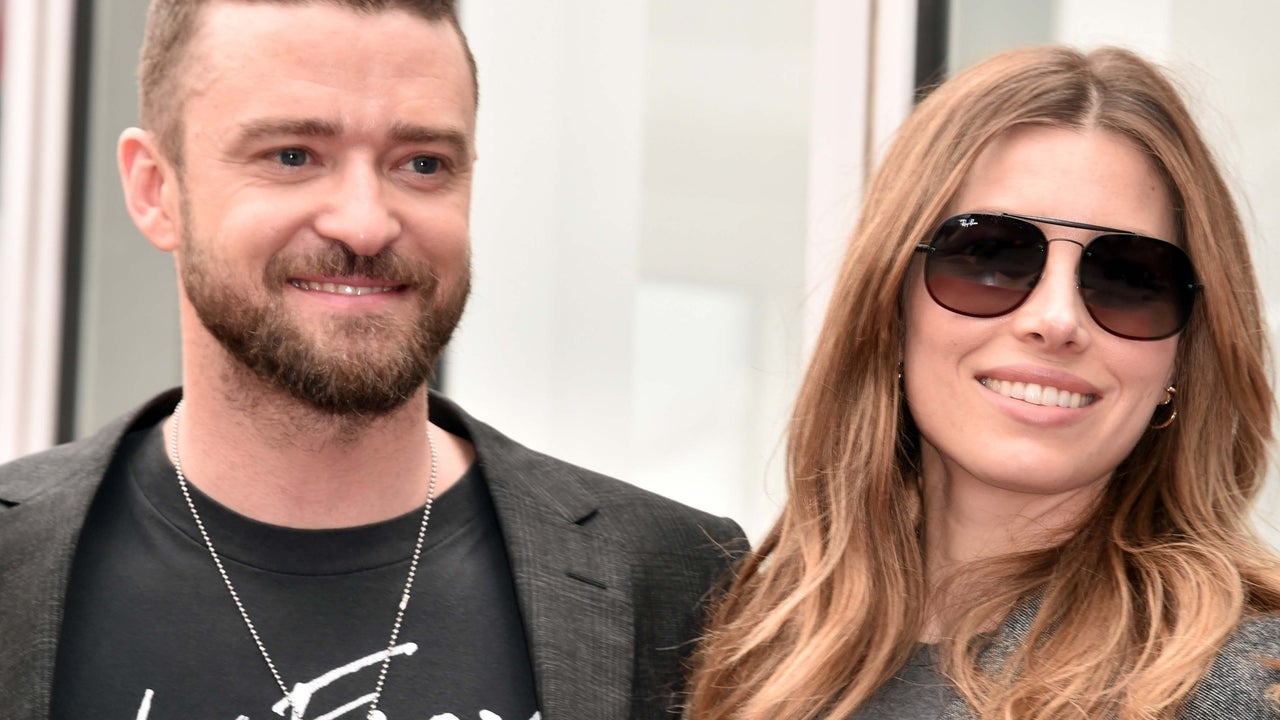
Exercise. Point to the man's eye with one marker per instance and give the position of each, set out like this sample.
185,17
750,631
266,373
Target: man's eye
425,165
293,157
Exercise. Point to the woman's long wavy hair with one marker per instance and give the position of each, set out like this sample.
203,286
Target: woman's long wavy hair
1134,604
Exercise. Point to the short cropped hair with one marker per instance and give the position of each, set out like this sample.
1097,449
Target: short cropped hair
171,24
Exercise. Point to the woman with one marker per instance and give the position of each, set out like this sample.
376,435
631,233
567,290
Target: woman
1022,461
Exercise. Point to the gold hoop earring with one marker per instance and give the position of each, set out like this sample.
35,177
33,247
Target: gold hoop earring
1170,392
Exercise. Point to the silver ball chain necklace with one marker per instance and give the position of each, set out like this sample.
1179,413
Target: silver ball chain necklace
294,713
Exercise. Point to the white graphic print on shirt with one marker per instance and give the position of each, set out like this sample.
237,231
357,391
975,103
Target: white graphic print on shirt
304,693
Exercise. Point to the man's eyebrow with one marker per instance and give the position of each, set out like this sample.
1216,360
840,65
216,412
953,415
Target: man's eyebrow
411,133
277,127
312,127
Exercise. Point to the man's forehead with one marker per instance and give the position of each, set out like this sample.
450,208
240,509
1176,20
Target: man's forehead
324,39
274,23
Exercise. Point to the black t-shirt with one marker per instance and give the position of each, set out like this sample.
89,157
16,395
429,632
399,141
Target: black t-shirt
151,632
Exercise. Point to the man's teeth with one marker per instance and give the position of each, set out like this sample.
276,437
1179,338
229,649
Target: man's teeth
339,288
1046,395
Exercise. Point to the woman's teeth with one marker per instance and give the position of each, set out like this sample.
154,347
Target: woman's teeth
1046,395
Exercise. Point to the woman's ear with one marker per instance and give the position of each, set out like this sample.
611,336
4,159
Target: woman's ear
150,188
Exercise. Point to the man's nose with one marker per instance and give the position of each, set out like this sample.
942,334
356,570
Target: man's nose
359,209
1054,316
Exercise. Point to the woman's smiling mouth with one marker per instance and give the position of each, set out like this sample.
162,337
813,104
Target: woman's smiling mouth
1045,395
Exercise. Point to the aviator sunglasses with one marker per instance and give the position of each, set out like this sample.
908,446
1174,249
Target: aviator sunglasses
985,265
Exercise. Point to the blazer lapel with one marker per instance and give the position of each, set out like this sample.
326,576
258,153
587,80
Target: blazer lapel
575,599
574,587
37,542
48,498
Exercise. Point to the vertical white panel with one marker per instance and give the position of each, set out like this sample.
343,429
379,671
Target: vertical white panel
33,137
893,72
21,48
695,399
863,89
639,209
504,348
545,347
719,316
838,153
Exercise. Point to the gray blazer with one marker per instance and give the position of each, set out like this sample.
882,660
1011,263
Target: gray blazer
610,578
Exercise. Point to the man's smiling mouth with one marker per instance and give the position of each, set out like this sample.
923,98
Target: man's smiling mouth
1045,395
341,289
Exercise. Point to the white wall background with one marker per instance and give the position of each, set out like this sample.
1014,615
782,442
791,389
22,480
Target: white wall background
639,237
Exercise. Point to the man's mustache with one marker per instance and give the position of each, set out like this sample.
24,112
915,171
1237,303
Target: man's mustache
337,260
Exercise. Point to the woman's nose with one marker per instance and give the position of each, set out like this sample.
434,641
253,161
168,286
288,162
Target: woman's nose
1054,316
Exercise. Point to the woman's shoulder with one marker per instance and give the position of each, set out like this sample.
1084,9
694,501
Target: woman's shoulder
1260,632
1240,680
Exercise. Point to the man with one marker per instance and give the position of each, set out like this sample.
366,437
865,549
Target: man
296,538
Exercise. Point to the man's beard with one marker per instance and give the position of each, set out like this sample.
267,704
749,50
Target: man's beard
366,364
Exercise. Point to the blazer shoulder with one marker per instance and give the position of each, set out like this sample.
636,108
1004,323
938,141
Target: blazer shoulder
536,482
28,477
647,522
665,524
1241,680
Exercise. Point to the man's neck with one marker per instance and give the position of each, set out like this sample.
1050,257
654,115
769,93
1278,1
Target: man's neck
272,458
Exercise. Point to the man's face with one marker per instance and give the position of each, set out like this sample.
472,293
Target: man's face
325,195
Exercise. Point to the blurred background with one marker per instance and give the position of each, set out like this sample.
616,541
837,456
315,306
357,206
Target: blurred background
663,193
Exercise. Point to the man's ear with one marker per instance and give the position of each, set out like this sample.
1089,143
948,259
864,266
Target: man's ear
150,188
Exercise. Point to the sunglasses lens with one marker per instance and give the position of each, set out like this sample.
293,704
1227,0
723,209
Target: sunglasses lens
984,265
1137,287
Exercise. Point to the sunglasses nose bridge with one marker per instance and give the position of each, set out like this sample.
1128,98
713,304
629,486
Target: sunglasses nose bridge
1049,243
1077,243
1054,309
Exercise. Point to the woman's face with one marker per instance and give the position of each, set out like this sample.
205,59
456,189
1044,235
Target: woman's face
960,372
